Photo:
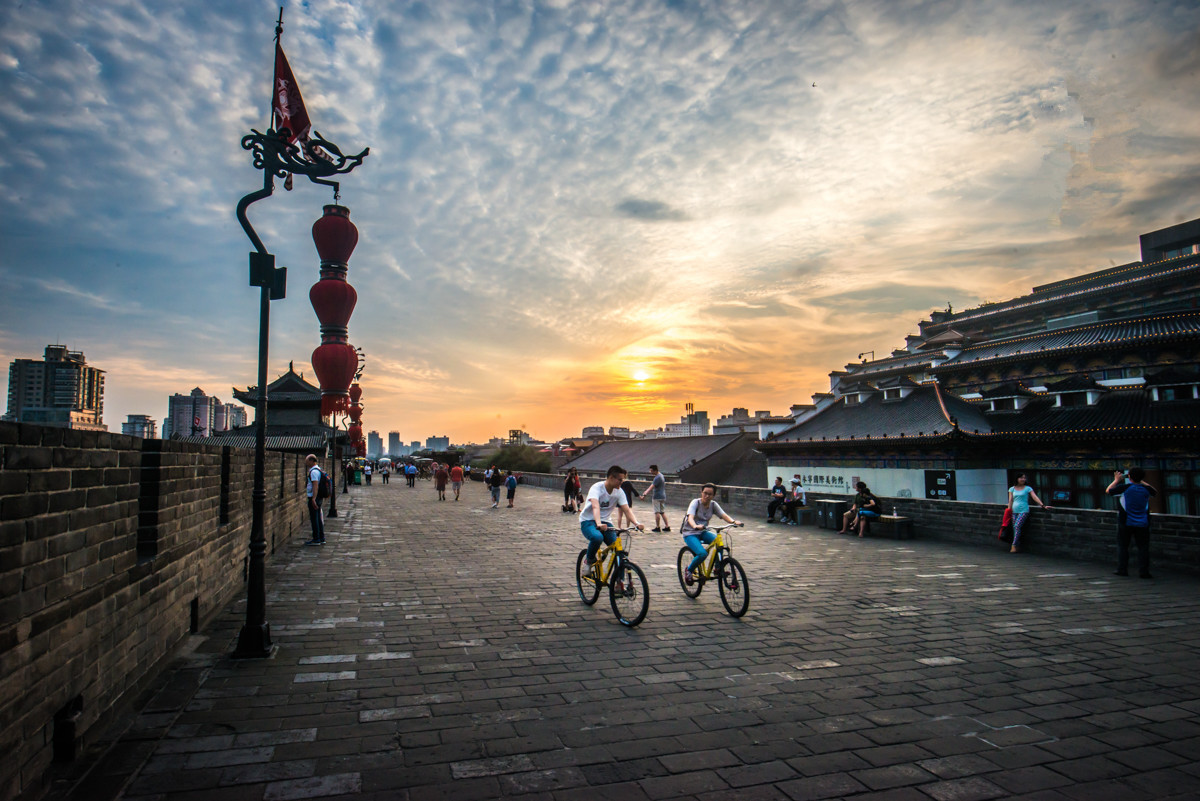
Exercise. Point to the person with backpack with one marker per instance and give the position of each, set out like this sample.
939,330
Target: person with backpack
1133,518
510,481
317,489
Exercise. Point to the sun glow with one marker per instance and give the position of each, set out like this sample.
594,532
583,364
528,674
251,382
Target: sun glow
641,375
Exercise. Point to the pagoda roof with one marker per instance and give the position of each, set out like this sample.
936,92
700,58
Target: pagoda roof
1074,383
925,413
289,388
1009,389
1172,377
1125,279
1105,335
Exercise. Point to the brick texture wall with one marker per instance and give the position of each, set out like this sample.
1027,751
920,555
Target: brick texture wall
1083,534
111,547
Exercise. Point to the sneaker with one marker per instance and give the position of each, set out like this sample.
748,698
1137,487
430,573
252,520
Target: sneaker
313,542
666,528
688,578
620,589
656,530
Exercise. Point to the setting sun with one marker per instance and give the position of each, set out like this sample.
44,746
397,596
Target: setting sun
640,375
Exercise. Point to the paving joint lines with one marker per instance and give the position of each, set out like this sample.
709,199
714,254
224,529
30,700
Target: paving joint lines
439,649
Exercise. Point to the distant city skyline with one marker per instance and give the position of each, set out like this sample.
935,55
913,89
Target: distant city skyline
575,213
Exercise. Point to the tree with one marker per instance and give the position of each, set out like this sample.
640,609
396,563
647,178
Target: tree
518,458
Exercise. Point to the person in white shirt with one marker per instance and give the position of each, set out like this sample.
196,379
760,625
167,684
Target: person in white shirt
695,525
602,498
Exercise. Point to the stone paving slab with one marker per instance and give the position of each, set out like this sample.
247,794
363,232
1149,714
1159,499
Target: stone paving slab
438,650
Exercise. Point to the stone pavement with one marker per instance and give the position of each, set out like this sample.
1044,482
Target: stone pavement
440,651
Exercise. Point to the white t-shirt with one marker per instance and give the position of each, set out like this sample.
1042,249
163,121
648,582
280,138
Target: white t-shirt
608,502
314,477
700,514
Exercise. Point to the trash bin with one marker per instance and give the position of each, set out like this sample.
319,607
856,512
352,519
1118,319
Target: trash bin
829,513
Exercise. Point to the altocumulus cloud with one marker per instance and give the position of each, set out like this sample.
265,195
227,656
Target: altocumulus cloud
541,170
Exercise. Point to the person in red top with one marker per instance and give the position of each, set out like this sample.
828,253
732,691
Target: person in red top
456,480
440,476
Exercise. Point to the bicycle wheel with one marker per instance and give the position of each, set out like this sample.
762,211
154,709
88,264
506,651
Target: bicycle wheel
631,602
589,588
685,559
735,589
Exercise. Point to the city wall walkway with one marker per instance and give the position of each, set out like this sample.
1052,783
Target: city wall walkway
438,650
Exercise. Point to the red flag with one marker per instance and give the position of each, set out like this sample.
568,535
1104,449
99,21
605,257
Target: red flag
287,103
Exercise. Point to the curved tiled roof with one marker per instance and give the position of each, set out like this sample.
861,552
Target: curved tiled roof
1095,335
924,413
1118,413
671,454
1172,271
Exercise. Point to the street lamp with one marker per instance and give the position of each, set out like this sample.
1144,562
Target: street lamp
275,154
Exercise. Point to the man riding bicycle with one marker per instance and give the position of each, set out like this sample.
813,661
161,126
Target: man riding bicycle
602,498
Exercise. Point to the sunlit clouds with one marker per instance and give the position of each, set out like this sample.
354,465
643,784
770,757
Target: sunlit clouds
577,214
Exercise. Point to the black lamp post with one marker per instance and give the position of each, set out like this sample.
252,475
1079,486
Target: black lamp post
277,157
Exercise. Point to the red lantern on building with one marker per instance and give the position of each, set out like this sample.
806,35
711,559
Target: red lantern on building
333,299
355,431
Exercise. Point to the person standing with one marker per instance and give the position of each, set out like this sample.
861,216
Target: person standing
570,490
1133,518
440,477
1019,496
313,490
456,480
367,472
385,470
410,472
658,499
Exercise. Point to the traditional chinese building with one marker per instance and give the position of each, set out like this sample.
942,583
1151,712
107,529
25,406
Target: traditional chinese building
294,422
1068,383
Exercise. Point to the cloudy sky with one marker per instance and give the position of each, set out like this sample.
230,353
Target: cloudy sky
576,213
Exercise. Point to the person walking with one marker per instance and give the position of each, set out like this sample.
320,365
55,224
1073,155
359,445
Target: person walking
658,499
571,489
494,482
456,480
441,476
1133,518
510,482
1019,496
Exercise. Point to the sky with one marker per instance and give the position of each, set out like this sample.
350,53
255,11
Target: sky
576,213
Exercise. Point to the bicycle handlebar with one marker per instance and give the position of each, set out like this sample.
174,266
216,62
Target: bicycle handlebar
719,529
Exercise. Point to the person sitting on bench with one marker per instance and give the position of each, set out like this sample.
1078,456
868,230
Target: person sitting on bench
866,506
795,502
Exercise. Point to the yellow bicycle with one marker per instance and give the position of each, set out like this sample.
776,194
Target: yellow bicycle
628,590
718,564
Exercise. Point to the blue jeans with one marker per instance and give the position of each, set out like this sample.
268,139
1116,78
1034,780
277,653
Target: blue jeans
316,520
695,543
594,536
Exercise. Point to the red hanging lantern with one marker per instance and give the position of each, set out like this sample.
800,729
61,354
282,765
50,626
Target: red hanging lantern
334,235
333,299
335,365
355,393
355,413
355,431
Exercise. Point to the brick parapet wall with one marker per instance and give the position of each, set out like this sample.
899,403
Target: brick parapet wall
106,543
1083,534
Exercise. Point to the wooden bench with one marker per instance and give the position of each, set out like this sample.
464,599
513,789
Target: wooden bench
896,527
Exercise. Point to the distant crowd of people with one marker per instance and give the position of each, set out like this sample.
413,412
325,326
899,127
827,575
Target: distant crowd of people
786,500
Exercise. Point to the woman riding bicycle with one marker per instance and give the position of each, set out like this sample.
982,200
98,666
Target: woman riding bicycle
699,513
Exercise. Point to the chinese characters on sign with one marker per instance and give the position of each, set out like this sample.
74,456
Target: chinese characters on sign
814,481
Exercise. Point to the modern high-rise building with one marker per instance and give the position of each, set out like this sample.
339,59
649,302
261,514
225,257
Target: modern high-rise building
394,445
200,415
437,443
61,390
140,425
374,444
415,446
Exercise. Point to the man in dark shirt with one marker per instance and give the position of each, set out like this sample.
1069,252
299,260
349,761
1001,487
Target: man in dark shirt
778,496
1133,518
